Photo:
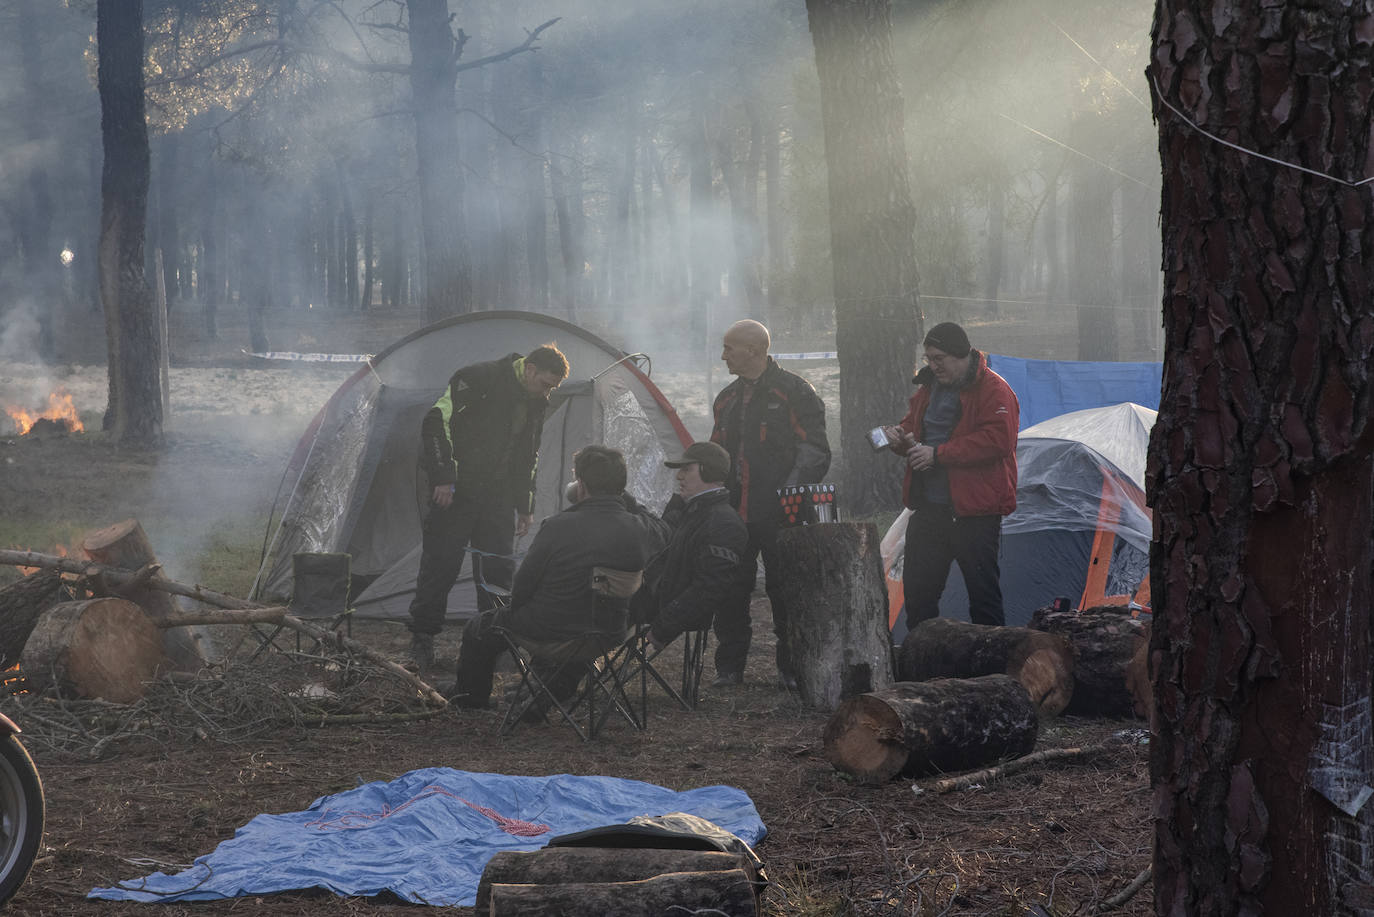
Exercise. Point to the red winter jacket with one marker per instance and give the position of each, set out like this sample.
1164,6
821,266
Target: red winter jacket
980,455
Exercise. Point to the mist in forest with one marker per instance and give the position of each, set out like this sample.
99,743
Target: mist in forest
651,172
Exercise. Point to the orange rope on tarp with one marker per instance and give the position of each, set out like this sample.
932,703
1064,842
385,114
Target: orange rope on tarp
353,820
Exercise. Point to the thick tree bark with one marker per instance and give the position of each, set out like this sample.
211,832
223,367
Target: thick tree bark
729,892
832,580
943,647
1261,460
1104,641
878,321
433,71
21,603
134,410
915,729
107,648
565,865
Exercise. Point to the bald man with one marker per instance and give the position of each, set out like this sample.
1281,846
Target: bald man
772,423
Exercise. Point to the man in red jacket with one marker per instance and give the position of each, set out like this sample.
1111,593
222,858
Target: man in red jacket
959,442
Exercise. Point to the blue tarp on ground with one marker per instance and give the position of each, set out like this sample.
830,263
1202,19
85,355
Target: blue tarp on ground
422,837
1048,388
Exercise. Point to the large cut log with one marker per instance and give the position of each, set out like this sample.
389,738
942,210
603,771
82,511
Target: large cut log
125,544
945,648
566,865
831,577
921,728
1104,638
726,892
21,603
107,648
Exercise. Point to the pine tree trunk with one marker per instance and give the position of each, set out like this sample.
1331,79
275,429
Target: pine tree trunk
878,322
134,410
433,59
1262,461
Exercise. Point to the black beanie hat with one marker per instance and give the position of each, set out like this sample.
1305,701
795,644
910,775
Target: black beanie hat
950,338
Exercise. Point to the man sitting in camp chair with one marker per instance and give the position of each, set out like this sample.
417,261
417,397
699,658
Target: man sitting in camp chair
553,599
702,573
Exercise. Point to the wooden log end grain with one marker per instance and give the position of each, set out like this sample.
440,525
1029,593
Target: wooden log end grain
863,738
105,647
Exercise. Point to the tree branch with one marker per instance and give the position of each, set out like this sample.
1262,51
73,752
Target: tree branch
527,45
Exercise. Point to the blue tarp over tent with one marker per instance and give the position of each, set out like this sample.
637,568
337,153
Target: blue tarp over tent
1048,388
424,836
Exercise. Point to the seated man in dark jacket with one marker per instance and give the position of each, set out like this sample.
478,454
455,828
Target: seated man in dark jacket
701,573
552,598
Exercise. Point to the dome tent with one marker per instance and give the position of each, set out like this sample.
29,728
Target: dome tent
358,489
1081,529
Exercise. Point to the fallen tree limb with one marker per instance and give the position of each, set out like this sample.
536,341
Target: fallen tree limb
1127,893
117,576
989,774
270,614
120,577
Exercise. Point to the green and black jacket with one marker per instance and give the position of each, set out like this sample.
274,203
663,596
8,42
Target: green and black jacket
482,436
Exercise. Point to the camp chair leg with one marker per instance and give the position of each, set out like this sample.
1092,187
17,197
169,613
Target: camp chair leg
601,680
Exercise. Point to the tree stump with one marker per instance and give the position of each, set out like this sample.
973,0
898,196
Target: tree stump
107,648
920,728
569,865
1104,638
726,892
945,648
21,603
124,544
831,577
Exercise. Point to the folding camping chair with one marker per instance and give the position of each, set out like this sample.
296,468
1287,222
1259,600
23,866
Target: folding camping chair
320,594
642,665
590,666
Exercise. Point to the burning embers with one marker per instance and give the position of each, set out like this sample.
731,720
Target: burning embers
59,417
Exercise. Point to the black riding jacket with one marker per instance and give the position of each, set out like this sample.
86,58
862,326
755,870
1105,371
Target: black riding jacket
780,441
482,436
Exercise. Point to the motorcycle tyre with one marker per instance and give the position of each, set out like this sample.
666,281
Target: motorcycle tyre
21,831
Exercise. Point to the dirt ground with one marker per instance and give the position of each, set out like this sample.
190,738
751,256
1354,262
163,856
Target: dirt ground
1062,837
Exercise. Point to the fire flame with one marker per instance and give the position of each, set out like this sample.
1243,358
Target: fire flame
60,408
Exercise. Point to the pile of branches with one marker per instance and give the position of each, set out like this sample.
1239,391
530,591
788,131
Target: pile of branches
241,702
302,674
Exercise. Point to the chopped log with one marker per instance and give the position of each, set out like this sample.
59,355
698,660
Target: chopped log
831,577
727,892
1138,682
106,647
21,602
564,865
125,544
930,727
945,648
1104,638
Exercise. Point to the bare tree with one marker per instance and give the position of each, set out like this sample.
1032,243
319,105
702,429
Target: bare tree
1260,464
872,220
134,411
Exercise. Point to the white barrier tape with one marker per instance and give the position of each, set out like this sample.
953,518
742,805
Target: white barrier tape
808,355
312,357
